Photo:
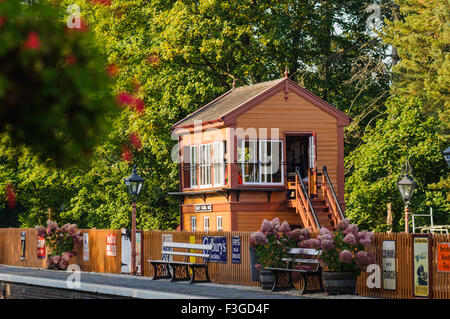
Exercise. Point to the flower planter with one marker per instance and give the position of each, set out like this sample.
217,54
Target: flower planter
339,283
266,278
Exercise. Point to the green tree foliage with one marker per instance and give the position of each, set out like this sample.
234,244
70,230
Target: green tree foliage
405,133
414,127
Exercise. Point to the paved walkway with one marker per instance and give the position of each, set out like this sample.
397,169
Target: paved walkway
144,287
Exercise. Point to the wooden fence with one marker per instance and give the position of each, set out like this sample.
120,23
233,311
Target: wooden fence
226,273
404,269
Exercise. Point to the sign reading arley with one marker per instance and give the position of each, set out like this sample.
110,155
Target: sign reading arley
203,208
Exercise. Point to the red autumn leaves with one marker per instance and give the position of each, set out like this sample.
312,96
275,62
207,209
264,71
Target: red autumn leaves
135,142
10,196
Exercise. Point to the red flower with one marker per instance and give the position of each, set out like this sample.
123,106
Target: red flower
10,196
103,2
138,105
32,42
71,59
126,154
135,140
153,59
124,98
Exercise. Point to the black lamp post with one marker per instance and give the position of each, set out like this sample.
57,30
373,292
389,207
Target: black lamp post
447,155
134,184
406,185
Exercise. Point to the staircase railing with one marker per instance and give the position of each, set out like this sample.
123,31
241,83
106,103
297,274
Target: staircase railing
303,205
330,197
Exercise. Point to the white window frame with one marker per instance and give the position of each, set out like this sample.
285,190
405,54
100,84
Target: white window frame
219,224
193,223
218,167
194,166
205,166
205,223
259,161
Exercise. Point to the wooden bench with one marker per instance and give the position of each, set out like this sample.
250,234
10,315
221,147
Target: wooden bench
306,259
179,270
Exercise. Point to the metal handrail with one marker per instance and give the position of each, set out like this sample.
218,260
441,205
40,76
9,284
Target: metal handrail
299,176
325,172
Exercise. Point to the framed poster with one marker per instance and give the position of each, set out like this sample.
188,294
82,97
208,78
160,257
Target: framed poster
389,263
40,247
22,245
443,257
236,249
111,245
422,270
219,249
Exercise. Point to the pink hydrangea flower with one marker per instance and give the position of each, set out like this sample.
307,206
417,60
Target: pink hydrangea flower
276,223
351,229
324,230
65,256
364,258
298,234
51,224
350,239
257,239
343,224
327,244
284,228
310,243
267,228
345,256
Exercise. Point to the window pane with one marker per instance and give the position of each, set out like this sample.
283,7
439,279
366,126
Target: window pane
219,222
265,156
250,165
218,163
205,165
277,156
194,163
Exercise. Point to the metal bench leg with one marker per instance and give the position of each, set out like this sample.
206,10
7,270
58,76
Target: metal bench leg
275,282
207,275
193,275
320,282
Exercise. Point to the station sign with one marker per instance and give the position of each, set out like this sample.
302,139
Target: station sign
200,208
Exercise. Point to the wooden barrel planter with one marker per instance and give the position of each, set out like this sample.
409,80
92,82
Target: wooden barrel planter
339,283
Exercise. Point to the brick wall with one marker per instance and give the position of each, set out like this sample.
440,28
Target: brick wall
12,290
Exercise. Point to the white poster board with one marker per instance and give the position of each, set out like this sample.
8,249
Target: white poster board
389,260
126,252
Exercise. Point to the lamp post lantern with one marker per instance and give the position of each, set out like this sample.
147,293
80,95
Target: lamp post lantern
447,155
134,184
406,186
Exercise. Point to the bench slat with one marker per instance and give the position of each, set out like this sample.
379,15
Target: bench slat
304,251
306,261
178,253
186,245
